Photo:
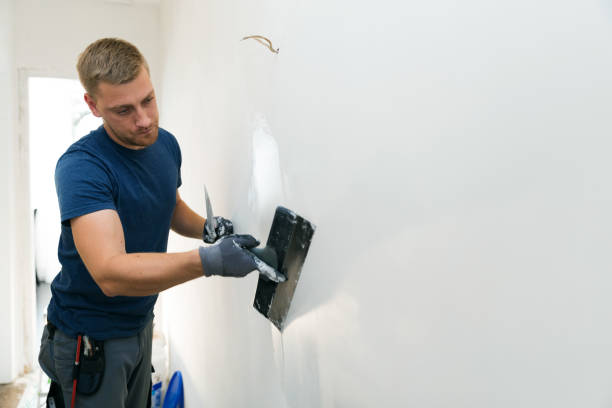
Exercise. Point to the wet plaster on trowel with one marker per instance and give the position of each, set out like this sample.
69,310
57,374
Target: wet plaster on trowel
265,193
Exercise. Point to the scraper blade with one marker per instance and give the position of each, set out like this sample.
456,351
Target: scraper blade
290,237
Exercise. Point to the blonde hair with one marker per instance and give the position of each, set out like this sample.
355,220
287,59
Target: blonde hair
109,60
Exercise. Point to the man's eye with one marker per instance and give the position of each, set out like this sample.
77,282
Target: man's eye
148,100
123,111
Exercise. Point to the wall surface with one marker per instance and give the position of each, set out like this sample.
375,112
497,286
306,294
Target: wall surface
455,158
8,310
43,38
52,34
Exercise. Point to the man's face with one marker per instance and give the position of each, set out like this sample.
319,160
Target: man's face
129,111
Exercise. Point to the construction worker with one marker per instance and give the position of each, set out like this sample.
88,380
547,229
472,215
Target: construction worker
118,194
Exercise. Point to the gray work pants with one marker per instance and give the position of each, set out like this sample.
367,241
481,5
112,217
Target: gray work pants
127,373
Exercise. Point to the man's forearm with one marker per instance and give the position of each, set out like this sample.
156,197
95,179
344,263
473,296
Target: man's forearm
143,274
187,222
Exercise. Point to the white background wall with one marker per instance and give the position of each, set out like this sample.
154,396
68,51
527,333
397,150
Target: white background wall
52,34
455,158
475,132
40,37
7,124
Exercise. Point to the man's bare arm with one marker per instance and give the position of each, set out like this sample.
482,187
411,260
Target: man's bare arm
99,240
185,221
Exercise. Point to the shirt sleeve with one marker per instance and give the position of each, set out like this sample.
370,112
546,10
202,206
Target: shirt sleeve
179,181
176,152
83,184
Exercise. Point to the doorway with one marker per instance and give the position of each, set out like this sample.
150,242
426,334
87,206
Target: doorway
57,117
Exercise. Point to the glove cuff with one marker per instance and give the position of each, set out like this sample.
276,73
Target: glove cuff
212,260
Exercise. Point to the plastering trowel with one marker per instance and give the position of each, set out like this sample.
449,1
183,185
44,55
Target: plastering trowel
286,249
283,257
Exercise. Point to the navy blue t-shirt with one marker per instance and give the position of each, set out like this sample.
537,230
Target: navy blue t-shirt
96,174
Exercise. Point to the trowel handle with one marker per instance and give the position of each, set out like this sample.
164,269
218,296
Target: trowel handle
270,270
266,254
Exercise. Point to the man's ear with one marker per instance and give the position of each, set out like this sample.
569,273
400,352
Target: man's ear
92,105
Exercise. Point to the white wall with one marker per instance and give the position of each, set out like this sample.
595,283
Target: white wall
8,312
455,158
52,34
39,37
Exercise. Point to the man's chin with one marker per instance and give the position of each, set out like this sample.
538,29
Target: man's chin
147,139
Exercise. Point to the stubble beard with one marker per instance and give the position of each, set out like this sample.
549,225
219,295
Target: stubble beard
132,141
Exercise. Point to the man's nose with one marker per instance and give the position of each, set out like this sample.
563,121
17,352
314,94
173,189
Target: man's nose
143,120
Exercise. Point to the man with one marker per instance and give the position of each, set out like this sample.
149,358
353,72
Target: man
118,193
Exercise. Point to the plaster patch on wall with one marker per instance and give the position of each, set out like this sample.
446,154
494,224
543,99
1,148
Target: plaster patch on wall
266,186
279,350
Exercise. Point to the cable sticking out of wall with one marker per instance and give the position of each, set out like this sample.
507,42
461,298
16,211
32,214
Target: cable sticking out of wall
262,40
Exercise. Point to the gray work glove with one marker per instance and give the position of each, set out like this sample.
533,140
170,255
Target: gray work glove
224,227
231,257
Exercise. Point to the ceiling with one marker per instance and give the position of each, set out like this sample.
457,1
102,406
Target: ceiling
133,1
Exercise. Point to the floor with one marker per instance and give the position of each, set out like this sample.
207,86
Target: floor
25,392
10,394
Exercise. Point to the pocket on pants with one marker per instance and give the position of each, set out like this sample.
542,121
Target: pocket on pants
63,370
45,355
56,357
63,354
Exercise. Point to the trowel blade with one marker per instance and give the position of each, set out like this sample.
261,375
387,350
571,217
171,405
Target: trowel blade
211,222
290,237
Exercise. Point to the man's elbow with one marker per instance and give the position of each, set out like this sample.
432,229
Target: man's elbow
108,289
107,284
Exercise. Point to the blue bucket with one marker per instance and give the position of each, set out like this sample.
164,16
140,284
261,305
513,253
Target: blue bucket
174,395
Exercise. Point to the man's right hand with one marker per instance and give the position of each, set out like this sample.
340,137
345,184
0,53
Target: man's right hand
231,257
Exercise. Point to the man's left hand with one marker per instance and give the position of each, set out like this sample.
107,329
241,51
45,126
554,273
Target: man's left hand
224,227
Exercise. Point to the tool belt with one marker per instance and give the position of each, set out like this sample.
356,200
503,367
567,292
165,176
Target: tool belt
88,369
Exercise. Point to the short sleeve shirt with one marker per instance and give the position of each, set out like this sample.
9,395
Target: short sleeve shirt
97,174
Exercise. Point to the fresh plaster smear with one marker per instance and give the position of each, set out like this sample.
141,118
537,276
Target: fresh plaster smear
266,187
265,193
